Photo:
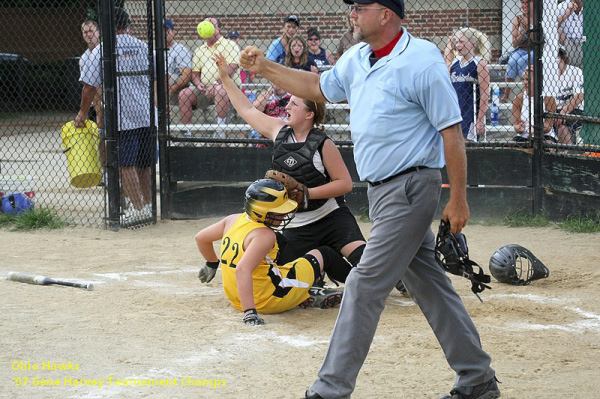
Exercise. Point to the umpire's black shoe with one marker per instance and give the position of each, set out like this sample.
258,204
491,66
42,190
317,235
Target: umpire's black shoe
487,390
310,394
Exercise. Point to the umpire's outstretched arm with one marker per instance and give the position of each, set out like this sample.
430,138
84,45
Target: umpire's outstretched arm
299,83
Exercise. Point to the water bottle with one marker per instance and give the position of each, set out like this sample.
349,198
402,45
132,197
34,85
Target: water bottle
494,109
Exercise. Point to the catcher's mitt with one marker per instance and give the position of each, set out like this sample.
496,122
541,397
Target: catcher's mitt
296,190
452,254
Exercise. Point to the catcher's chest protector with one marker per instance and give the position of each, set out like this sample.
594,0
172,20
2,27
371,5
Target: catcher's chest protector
296,159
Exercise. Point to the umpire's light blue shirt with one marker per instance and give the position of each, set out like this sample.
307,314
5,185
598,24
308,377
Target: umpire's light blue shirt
398,106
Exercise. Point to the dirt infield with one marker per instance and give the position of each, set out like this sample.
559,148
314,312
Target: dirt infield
151,329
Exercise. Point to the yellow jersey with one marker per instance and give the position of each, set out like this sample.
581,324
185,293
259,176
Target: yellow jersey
275,288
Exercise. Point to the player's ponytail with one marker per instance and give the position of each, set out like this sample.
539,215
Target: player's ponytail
317,108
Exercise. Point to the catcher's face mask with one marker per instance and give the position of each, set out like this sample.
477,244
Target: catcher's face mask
516,265
452,254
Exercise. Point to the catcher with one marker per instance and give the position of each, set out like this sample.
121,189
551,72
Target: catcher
253,280
314,173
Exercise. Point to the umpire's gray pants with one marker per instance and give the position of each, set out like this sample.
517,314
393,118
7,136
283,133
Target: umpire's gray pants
401,246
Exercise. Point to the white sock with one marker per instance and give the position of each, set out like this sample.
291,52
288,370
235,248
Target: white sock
221,121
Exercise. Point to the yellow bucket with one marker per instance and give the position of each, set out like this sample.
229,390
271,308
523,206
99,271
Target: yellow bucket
81,148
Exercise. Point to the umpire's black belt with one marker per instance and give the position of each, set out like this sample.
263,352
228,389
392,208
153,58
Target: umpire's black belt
405,171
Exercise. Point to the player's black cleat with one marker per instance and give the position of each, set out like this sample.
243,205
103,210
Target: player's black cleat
308,303
400,287
324,298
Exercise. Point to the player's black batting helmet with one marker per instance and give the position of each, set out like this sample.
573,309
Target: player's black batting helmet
267,202
515,265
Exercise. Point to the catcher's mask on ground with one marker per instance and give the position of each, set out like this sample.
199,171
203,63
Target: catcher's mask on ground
267,202
513,264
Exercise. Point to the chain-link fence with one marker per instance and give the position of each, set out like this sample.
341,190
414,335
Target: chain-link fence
487,44
519,69
54,147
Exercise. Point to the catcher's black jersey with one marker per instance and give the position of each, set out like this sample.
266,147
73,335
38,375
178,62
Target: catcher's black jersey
296,159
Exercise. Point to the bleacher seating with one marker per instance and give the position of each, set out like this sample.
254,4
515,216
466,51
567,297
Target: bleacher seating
204,120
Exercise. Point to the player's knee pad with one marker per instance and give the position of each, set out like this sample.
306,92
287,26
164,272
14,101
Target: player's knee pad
355,256
334,264
315,265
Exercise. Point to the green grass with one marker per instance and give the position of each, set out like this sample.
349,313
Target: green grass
580,224
38,218
523,218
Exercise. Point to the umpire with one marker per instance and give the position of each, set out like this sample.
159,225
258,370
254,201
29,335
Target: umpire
405,128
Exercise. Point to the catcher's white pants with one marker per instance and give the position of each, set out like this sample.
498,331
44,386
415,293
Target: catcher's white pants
401,246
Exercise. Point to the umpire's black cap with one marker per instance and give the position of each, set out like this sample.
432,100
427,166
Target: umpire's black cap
396,6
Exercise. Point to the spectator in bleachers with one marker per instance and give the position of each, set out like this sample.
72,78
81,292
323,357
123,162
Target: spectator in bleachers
245,76
569,100
179,65
234,36
570,29
316,53
297,56
347,40
466,55
278,47
522,44
206,87
523,112
273,102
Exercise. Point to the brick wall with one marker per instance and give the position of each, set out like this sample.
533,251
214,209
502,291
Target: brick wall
53,34
433,25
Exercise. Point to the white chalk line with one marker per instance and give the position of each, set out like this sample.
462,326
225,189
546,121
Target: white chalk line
590,321
124,275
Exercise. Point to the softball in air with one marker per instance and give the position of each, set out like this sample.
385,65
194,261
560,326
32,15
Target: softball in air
205,29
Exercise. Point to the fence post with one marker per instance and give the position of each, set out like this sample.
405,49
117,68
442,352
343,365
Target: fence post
109,69
538,105
162,95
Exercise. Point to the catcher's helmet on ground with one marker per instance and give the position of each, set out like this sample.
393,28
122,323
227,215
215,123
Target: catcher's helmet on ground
267,202
513,264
